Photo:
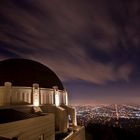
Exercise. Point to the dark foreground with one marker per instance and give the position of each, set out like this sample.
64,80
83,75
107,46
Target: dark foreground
104,132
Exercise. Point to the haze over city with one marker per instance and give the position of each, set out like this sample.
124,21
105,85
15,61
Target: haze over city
92,45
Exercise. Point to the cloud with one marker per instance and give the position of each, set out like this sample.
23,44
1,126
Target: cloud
61,34
124,72
76,65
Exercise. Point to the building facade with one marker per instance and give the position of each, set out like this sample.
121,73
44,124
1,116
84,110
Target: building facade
43,113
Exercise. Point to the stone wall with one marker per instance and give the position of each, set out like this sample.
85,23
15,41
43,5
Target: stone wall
77,134
30,129
13,95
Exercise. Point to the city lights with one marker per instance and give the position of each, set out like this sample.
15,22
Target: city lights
112,115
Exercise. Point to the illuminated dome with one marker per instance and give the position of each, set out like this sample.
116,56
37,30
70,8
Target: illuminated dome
23,72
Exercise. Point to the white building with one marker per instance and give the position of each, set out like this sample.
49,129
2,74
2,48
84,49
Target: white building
38,111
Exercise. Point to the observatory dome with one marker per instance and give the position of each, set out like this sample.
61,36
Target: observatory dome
23,72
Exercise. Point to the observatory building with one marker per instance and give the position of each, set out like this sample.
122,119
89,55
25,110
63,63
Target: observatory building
34,104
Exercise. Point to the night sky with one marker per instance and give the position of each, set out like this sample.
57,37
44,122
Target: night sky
92,45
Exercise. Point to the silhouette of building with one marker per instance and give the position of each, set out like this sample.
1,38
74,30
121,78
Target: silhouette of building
34,104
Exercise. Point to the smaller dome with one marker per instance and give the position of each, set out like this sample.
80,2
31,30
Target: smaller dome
23,72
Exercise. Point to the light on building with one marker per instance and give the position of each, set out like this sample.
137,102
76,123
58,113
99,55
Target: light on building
66,98
35,94
36,99
36,102
57,100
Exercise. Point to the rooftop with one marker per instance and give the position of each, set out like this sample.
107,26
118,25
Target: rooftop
11,115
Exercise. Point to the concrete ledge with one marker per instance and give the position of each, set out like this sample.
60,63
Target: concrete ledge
78,133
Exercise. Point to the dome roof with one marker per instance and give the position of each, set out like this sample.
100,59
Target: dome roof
23,72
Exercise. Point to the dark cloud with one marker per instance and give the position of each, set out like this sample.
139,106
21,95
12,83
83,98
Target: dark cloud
95,41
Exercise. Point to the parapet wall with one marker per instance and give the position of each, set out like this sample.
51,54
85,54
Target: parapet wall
77,134
30,129
13,95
